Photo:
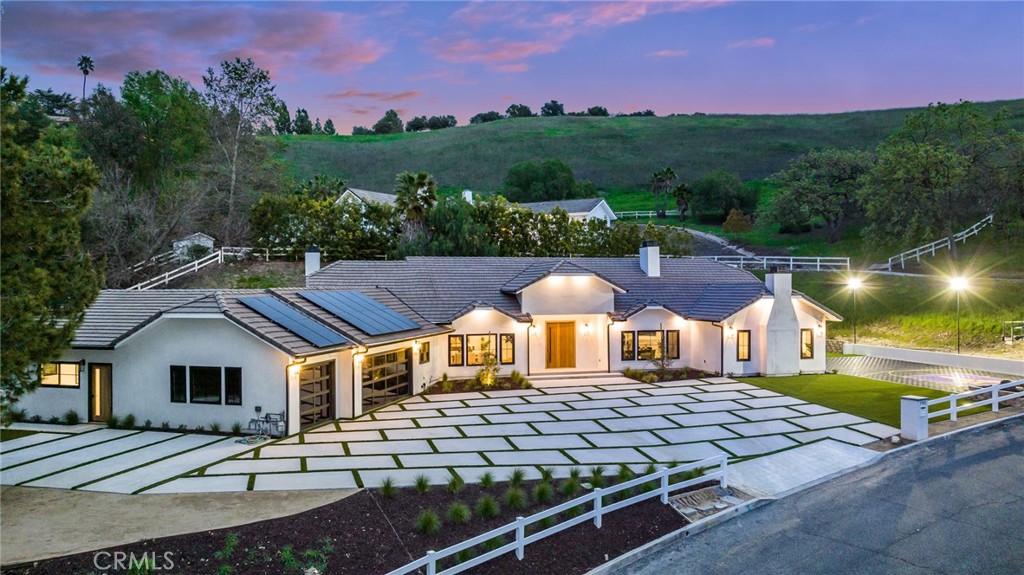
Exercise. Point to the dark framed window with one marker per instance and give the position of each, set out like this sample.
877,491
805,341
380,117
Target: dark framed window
807,344
179,384
205,384
60,374
672,344
628,346
232,386
743,345
507,353
456,348
479,346
425,352
648,345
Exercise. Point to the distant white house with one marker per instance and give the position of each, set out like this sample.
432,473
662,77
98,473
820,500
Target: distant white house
362,334
354,195
185,247
582,209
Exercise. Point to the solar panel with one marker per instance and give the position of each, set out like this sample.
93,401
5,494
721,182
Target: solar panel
294,321
361,310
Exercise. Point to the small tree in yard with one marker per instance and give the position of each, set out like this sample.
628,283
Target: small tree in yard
488,372
390,123
737,222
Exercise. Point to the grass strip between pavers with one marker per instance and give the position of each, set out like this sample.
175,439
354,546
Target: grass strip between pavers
91,461
869,398
69,450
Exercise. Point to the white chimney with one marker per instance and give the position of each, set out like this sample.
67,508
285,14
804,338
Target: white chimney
650,259
468,196
312,260
783,328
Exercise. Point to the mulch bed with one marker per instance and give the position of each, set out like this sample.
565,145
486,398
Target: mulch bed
373,534
464,385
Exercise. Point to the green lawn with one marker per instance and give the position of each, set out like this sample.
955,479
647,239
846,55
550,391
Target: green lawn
7,434
875,400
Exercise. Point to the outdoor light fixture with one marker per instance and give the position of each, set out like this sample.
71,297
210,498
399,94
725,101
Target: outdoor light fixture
416,345
81,366
958,284
358,358
586,329
854,284
534,328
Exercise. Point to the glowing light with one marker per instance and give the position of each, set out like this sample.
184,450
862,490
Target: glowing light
358,358
416,346
854,283
534,329
958,283
586,329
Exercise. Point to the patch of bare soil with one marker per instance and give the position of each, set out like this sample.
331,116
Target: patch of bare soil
367,533
245,274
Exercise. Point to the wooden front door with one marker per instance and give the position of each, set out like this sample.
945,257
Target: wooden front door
561,344
101,391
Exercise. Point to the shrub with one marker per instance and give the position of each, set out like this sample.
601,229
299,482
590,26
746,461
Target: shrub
113,422
575,473
128,422
165,425
428,523
546,522
487,479
633,373
465,555
516,478
446,384
36,418
148,424
546,474
422,483
597,475
543,492
215,427
487,507
571,487
493,543
236,428
456,484
573,512
737,222
199,428
624,473
458,513
718,192
518,380
387,487
515,498
487,375
18,415
71,417
649,378
54,420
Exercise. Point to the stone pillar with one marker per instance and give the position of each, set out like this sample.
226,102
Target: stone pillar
914,417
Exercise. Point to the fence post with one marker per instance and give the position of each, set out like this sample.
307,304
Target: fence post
664,484
914,417
520,534
995,398
723,482
432,566
952,407
597,507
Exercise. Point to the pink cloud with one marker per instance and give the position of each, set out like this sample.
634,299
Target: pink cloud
492,51
379,96
814,27
665,54
517,68
444,75
764,42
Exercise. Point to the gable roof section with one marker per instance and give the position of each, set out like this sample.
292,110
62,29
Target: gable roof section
580,206
368,196
536,272
116,314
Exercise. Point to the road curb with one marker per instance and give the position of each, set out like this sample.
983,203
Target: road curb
707,523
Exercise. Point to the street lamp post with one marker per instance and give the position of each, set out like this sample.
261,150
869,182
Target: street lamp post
958,284
854,284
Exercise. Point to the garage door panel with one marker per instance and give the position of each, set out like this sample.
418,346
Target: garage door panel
316,402
387,377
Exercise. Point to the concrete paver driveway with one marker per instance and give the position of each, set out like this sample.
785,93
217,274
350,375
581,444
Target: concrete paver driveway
596,421
951,379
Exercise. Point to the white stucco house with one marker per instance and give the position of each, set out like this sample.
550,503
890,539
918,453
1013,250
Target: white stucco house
355,195
581,209
362,334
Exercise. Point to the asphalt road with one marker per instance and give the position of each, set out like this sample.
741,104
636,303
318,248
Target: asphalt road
951,506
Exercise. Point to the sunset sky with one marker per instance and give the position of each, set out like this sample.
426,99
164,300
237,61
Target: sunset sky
351,61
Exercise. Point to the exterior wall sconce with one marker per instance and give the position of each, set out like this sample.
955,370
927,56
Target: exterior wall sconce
534,329
81,366
820,328
416,345
586,329
358,358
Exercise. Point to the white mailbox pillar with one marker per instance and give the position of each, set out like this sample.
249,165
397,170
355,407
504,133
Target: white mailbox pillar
914,417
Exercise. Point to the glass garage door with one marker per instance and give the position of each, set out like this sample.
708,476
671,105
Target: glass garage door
387,377
315,399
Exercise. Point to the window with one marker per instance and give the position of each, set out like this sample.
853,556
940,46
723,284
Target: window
425,352
477,346
455,347
648,345
232,386
205,384
178,384
628,346
743,345
806,344
508,348
59,374
672,344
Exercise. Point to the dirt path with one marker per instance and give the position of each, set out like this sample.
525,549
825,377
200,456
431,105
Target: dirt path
39,523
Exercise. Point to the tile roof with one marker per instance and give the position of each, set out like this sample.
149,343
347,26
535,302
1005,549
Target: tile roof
584,205
441,288
379,197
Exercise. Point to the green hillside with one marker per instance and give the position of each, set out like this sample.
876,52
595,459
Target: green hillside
612,152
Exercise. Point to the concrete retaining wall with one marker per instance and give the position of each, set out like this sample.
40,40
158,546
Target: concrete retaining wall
994,364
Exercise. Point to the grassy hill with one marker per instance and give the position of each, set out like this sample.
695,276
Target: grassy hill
612,152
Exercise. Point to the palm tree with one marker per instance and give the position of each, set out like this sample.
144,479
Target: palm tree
85,65
417,193
323,187
661,183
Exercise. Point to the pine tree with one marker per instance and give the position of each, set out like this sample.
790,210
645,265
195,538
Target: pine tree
46,279
302,124
329,127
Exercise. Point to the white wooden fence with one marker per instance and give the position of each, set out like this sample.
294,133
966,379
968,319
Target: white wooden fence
157,260
794,263
645,214
930,249
915,414
598,510
217,257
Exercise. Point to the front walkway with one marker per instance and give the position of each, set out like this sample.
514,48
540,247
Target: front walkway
578,423
951,379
